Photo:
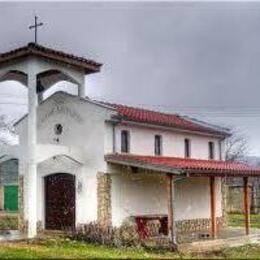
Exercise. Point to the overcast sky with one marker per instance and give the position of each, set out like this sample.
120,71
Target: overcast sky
198,59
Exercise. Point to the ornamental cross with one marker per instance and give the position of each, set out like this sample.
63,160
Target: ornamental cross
35,27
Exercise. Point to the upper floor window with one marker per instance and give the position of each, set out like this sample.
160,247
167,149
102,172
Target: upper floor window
157,145
125,141
211,151
187,147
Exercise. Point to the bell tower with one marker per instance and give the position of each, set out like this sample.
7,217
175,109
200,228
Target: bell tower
39,68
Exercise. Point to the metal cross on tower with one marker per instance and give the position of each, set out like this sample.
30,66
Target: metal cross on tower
35,27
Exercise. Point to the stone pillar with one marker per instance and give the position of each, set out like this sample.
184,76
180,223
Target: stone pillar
32,140
104,199
224,194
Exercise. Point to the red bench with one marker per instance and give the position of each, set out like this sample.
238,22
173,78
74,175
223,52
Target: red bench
151,225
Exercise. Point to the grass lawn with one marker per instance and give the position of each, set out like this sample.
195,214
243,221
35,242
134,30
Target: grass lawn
237,220
67,249
62,249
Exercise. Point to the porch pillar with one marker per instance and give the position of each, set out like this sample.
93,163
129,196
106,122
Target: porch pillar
213,207
246,205
171,224
32,141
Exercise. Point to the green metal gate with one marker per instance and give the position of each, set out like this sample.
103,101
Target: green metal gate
11,198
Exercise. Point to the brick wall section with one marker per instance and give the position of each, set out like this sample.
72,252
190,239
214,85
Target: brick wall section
104,199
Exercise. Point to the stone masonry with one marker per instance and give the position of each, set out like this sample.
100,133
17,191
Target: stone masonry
104,199
193,225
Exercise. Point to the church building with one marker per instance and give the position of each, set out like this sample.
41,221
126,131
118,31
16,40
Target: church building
83,161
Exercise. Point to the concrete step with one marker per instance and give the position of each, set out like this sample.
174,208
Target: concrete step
217,244
47,234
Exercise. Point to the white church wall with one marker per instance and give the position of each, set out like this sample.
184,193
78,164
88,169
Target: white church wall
192,198
142,142
137,195
83,138
141,194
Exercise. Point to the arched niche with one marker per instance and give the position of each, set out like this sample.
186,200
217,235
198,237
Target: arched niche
48,78
14,75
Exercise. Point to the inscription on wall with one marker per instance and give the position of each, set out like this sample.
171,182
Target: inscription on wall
59,107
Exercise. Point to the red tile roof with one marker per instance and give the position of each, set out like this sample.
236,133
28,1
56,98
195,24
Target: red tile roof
184,165
89,66
163,119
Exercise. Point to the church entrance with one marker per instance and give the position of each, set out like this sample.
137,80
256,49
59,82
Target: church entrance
60,201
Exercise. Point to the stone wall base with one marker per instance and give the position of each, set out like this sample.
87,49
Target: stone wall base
194,225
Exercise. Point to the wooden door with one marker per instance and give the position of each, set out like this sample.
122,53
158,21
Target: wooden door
60,201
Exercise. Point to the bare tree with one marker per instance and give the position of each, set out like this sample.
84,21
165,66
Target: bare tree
236,147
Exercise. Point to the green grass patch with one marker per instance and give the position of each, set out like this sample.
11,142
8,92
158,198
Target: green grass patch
67,249
237,220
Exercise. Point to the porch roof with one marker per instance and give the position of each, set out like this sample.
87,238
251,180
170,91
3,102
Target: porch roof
184,166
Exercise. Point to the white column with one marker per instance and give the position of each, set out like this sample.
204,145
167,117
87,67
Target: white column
81,87
32,140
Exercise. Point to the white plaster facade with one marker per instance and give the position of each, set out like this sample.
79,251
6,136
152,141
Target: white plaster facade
142,142
83,125
87,136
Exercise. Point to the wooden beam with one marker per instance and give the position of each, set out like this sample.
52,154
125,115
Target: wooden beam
213,207
169,188
246,205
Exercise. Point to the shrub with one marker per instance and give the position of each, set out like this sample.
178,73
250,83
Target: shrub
8,222
123,236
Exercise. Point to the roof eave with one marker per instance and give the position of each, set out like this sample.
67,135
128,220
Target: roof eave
87,66
145,166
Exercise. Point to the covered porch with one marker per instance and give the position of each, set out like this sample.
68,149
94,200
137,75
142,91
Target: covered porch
208,177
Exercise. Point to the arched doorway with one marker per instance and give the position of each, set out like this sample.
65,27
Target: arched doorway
60,201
